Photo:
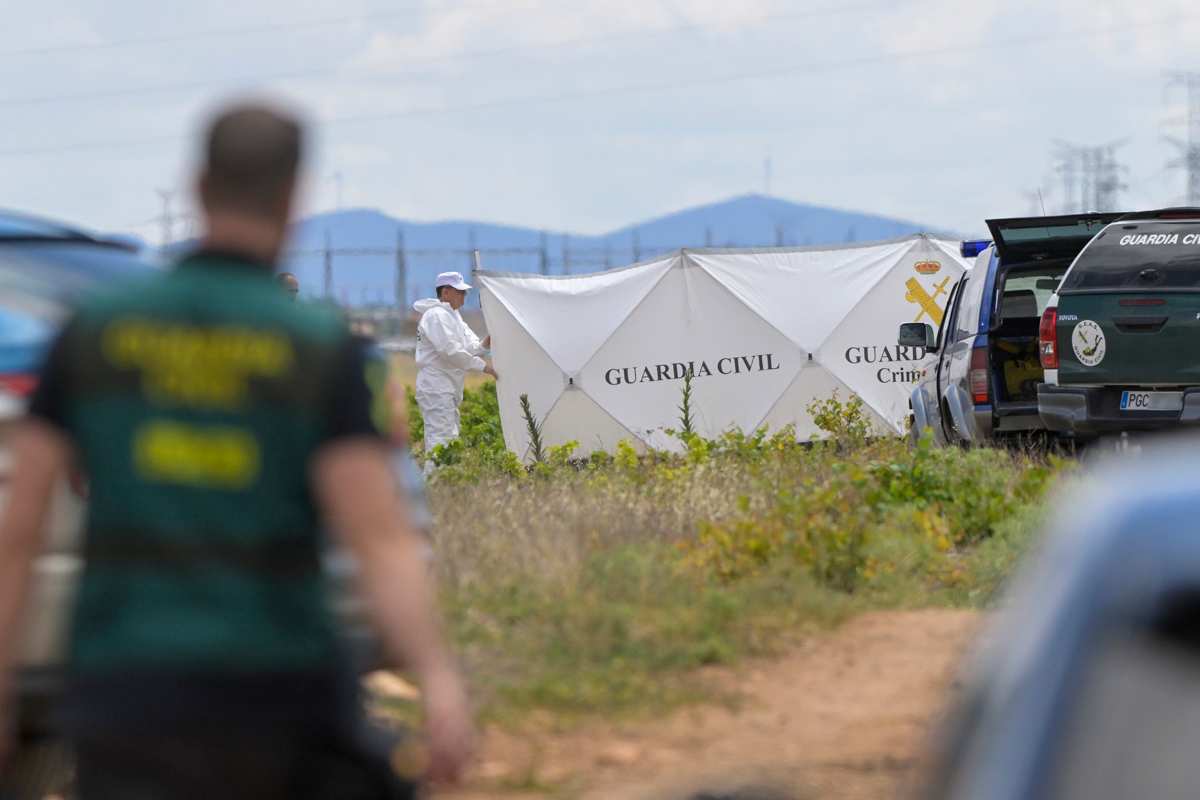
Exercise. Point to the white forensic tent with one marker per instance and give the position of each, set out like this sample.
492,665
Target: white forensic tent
602,356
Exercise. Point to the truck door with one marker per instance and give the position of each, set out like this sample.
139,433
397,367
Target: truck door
945,362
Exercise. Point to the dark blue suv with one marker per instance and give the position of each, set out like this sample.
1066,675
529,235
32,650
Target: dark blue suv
980,382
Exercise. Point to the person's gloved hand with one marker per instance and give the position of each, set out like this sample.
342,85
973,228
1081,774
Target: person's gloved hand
490,370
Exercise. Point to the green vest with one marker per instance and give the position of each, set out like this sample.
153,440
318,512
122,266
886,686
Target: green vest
197,400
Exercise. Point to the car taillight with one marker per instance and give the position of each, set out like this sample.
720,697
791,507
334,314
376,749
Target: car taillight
978,376
18,383
1048,339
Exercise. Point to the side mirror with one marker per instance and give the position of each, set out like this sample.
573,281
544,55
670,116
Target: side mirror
918,334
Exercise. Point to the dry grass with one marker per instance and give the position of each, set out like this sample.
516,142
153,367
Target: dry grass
575,592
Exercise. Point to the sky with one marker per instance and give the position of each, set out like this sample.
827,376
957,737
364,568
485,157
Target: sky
587,115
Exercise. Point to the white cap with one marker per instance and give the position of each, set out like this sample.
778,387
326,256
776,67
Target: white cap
452,279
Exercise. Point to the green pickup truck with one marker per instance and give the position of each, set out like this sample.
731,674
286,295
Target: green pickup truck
1120,339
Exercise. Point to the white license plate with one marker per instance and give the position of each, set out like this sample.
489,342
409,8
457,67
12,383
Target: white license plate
1151,401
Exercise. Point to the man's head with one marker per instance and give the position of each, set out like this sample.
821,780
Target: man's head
247,183
452,289
290,284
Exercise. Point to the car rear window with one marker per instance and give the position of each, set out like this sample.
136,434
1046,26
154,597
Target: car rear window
1150,256
1026,294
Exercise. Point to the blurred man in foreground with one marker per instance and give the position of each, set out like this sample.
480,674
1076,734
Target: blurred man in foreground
218,422
447,349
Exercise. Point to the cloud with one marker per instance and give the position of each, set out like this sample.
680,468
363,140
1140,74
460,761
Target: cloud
936,24
452,33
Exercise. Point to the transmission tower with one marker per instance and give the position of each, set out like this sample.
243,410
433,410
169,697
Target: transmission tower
1189,148
401,273
1066,164
328,271
1107,184
168,217
1091,176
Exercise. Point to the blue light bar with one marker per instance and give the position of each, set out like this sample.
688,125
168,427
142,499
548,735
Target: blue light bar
974,247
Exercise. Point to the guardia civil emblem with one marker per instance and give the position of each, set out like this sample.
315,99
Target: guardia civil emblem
925,299
1087,340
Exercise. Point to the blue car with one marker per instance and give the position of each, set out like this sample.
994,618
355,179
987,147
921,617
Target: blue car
44,268
981,380
1088,686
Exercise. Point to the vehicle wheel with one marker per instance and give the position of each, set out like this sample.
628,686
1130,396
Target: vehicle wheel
38,770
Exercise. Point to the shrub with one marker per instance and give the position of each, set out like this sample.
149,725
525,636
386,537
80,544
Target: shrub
846,423
832,520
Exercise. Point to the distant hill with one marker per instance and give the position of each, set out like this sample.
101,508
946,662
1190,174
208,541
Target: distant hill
364,243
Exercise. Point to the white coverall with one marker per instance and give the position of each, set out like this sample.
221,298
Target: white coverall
447,349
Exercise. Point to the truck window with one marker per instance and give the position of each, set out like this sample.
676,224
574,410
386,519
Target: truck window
948,316
1145,256
966,324
1026,294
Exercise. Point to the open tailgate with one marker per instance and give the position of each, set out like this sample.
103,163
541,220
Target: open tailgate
1021,239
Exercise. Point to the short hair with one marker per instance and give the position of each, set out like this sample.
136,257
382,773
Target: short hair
252,154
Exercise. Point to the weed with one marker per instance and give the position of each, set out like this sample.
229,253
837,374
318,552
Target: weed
534,428
687,428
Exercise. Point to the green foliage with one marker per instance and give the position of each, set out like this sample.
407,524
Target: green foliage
416,423
947,498
480,450
556,459
535,431
627,459
845,423
687,429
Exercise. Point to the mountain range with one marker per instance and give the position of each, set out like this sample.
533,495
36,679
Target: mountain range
363,244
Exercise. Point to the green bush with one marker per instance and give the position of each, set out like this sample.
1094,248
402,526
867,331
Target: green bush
830,523
846,424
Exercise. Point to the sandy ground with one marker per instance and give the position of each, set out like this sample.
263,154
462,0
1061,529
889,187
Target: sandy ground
846,715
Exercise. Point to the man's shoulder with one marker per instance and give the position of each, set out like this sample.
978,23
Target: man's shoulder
174,295
127,297
440,311
319,320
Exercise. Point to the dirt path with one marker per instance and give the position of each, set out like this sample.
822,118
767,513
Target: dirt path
843,717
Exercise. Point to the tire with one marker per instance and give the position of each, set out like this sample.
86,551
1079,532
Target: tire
36,770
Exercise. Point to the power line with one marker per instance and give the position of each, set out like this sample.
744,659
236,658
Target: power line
317,72
616,91
221,33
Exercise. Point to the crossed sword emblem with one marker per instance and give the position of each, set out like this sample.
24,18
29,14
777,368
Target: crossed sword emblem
928,302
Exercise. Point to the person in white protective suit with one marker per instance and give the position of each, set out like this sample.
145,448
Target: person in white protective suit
447,349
